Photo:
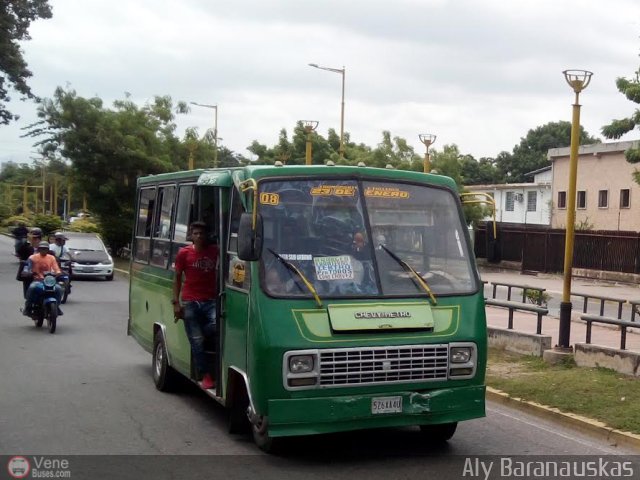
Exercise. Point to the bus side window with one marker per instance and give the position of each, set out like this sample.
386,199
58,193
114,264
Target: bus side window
145,214
237,273
207,211
184,213
162,227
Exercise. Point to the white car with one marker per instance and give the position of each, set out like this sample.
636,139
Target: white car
89,256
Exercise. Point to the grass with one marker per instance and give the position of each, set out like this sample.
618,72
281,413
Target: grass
597,393
121,263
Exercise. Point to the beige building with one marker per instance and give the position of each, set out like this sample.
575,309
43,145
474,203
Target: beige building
608,198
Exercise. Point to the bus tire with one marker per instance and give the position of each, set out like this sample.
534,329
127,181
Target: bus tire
261,437
238,419
438,433
165,378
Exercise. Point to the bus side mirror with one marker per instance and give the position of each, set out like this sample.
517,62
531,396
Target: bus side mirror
249,239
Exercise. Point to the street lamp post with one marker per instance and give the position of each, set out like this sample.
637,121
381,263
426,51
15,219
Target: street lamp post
428,139
309,128
578,81
215,131
341,71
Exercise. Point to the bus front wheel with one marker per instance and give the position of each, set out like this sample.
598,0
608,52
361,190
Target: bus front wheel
264,441
438,433
164,377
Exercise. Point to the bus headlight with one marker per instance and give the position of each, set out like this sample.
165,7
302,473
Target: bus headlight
460,354
301,363
300,369
463,360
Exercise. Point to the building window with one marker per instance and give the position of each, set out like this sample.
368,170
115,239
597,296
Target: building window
509,202
562,199
532,201
603,199
625,198
582,199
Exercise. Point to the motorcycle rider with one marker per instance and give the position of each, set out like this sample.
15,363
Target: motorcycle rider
20,234
58,249
24,252
61,252
39,264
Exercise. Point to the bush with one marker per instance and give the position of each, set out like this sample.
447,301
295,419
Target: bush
538,298
84,225
5,211
48,223
15,220
117,230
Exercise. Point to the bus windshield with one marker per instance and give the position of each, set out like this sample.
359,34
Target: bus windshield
351,238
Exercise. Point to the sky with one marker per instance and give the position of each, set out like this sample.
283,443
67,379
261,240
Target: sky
476,73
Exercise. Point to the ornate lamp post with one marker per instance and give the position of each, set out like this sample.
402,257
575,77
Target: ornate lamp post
341,71
215,131
578,81
309,128
428,139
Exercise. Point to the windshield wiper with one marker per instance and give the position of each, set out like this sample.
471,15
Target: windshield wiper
416,275
295,269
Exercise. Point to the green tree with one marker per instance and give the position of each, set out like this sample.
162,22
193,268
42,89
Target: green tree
394,151
448,162
617,128
476,172
109,148
451,162
531,153
15,18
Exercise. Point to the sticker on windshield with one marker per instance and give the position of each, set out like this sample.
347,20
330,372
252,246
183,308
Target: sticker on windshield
333,268
385,192
296,256
337,190
269,198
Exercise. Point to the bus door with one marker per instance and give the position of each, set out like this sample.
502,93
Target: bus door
212,207
235,301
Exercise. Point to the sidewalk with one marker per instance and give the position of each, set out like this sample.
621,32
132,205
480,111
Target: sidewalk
603,335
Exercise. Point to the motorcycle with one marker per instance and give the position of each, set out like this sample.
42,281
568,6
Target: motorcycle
47,305
64,279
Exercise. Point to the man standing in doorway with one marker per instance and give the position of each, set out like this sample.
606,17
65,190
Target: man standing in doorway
198,264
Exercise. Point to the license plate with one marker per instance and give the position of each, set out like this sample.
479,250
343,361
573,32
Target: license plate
386,405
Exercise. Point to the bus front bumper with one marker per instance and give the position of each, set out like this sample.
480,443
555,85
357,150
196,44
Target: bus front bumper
307,416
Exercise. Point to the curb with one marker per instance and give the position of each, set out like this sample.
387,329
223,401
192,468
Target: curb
582,424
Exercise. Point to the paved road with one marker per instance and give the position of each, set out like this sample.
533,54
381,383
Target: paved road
87,390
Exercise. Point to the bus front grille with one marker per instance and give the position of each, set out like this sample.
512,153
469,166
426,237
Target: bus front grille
359,366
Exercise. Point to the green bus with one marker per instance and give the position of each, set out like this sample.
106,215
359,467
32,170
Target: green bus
349,297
